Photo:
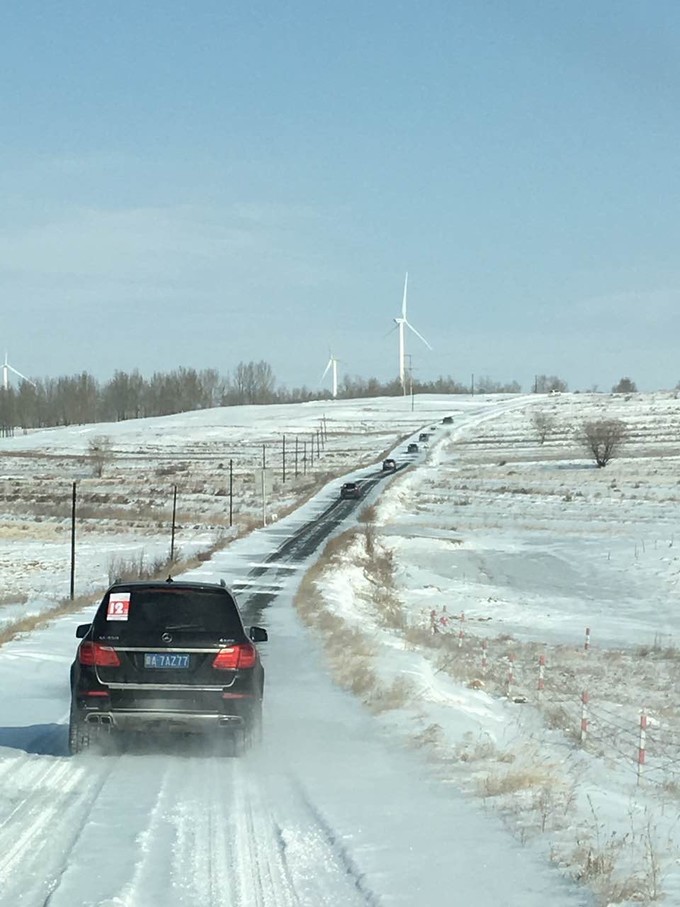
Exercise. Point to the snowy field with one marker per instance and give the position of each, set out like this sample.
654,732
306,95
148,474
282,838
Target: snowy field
506,553
126,512
507,547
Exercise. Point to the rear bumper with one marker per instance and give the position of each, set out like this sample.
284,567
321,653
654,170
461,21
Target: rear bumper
168,710
162,720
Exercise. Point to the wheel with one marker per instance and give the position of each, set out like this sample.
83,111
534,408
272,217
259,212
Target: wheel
241,740
78,733
254,727
83,736
251,733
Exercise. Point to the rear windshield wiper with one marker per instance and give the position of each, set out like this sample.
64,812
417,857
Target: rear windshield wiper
184,627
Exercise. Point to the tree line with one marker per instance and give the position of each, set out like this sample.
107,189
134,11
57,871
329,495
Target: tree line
81,398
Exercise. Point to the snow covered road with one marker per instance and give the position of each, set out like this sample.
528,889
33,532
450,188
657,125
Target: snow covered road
328,812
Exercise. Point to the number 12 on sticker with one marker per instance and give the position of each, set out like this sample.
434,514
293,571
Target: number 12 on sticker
119,606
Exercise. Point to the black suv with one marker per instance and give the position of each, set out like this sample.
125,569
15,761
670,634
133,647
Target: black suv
166,656
389,465
350,490
412,448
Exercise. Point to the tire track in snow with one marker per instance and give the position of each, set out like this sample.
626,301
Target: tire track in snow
327,839
257,860
59,795
284,854
153,845
200,864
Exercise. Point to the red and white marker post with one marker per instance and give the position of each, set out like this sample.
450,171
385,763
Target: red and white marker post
511,676
541,676
642,744
584,715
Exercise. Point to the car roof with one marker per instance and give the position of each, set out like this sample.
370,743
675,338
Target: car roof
134,585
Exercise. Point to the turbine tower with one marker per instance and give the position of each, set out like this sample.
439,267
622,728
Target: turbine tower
6,369
401,323
333,365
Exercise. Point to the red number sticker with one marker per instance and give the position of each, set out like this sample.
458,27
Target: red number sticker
119,606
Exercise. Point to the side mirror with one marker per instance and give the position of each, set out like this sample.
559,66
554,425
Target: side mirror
82,630
258,634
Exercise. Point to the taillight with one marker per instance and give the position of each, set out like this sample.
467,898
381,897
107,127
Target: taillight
234,657
92,653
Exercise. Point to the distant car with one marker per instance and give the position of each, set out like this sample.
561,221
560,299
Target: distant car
350,490
447,420
166,656
412,448
424,436
389,465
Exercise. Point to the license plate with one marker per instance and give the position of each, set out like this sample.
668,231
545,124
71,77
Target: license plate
165,660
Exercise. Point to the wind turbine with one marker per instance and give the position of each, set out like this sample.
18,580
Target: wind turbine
6,369
333,365
401,323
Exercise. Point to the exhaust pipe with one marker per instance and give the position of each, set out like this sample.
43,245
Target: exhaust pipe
96,718
225,720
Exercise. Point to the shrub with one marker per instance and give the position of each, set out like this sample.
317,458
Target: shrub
100,450
603,439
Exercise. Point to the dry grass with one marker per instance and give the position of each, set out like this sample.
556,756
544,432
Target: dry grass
36,621
481,749
368,514
388,697
130,569
349,652
496,784
430,738
379,572
13,598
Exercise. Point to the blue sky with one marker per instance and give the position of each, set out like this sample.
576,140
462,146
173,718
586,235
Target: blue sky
203,183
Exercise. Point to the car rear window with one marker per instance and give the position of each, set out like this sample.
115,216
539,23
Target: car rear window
137,612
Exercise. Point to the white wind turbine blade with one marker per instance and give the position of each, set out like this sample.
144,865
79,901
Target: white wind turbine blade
325,371
409,325
19,374
403,301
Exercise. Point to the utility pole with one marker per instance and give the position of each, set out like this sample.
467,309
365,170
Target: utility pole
264,498
472,385
296,456
304,458
284,460
231,492
73,541
174,515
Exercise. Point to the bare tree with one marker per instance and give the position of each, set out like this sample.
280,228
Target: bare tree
100,450
543,424
603,439
625,386
549,384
